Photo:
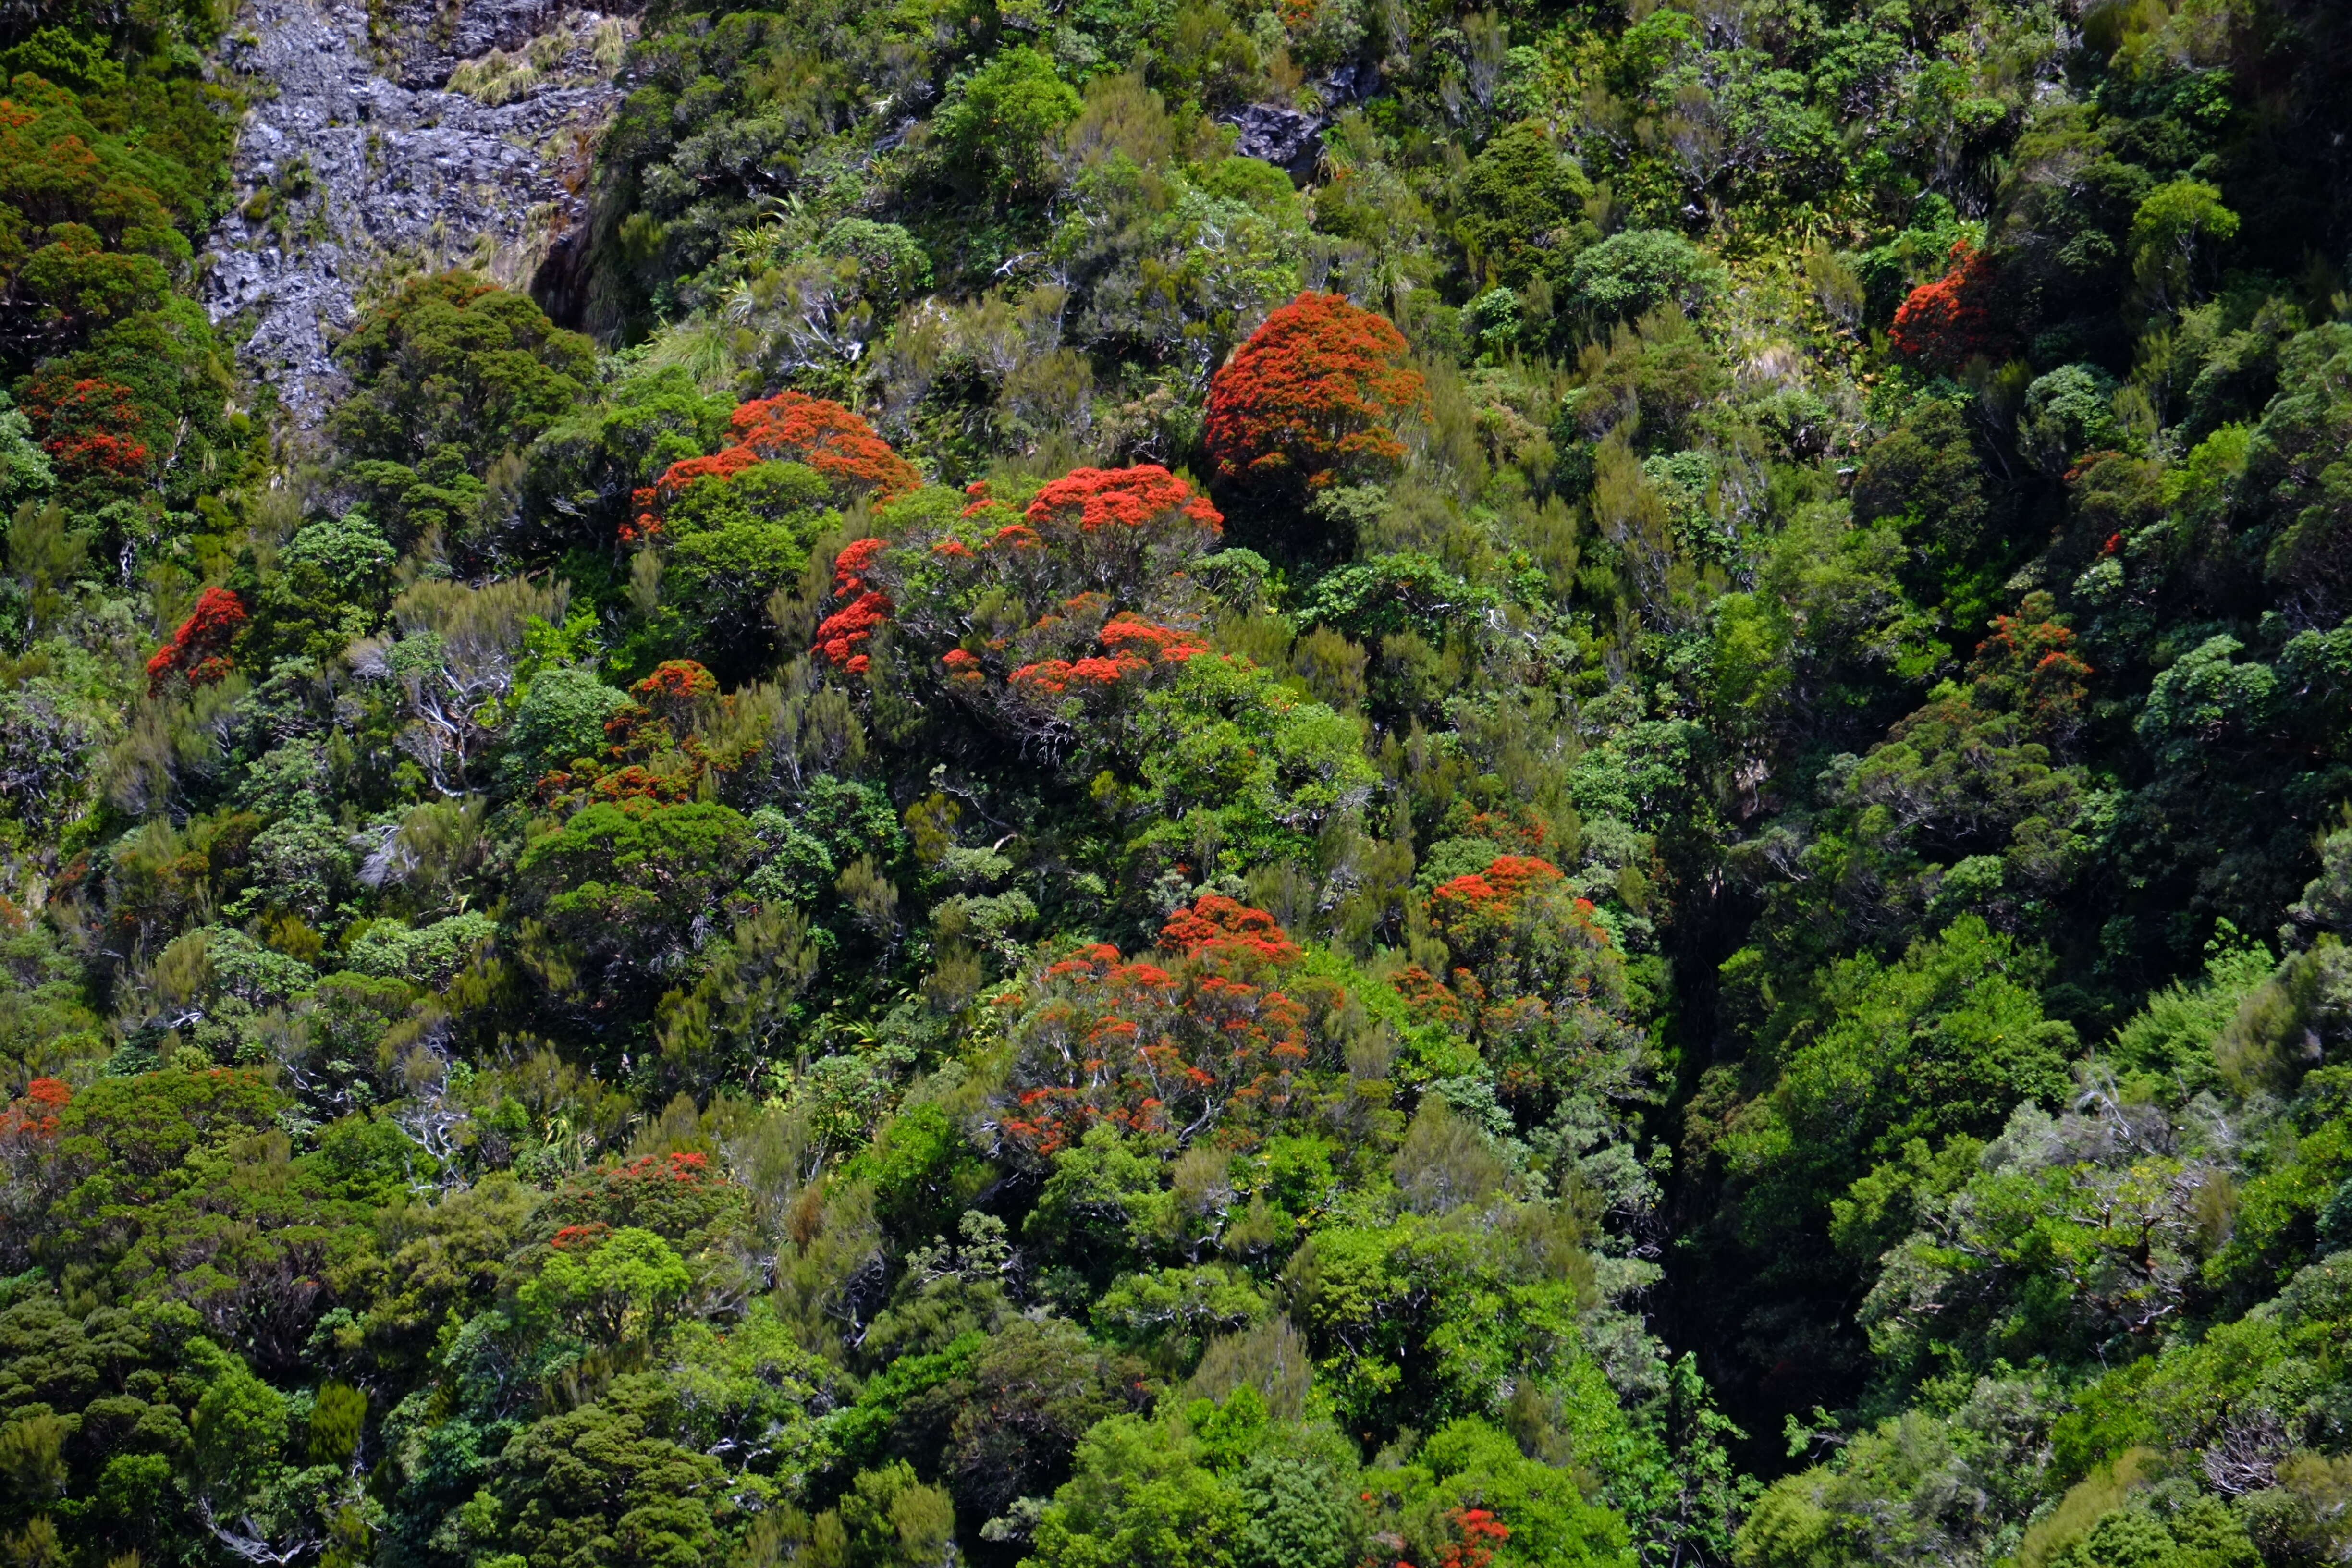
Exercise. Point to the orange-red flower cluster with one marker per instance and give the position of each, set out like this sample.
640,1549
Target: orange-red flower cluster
1313,397
1218,926
199,651
91,428
669,705
677,689
2031,662
586,1237
1946,323
34,1113
1481,1533
790,428
841,636
1091,499
1210,1033
1499,884
675,1194
1428,1000
1133,647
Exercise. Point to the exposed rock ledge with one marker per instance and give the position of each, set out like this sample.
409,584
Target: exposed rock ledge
459,135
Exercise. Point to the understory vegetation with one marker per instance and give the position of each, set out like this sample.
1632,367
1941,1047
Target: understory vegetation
1612,825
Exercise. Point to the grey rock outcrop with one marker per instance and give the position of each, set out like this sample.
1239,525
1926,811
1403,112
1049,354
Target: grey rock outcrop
1286,138
422,137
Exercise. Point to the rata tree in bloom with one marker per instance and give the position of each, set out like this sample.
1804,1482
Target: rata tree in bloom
1045,612
32,1116
2030,667
1537,980
654,748
1315,397
677,1195
93,429
1945,324
198,652
790,427
864,608
1215,1035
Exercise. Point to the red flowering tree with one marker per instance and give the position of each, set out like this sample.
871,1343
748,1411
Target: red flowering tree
1313,397
2028,666
1047,612
32,1117
93,429
1477,1533
654,750
1214,1034
676,1196
680,692
864,608
1536,979
1950,322
790,427
199,651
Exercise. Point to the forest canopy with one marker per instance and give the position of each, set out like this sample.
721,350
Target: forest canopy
1328,784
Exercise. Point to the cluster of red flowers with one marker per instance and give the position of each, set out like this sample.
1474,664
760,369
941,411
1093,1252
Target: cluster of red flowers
677,688
586,1237
89,428
675,1194
1215,1035
1218,926
34,1113
1427,998
1314,397
669,704
1499,884
199,651
1946,323
1467,909
1481,1533
795,428
1091,499
1133,647
2028,666
841,636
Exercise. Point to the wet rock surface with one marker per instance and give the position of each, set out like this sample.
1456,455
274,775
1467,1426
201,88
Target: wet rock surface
424,137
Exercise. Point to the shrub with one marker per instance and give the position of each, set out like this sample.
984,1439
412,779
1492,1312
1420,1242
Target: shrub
997,127
1630,274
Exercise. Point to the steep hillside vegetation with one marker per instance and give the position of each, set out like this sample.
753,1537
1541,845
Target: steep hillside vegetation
1343,785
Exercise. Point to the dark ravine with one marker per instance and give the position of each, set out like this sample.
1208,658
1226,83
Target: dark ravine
450,137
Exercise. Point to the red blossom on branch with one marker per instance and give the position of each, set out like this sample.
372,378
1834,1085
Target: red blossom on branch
841,636
1481,1533
1946,323
790,427
1215,1032
92,428
1091,499
34,1113
1313,397
199,651
1499,885
1218,926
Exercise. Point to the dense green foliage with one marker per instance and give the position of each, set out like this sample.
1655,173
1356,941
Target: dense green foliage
1615,828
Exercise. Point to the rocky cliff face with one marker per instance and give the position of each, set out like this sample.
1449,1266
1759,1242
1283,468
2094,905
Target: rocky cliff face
395,137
